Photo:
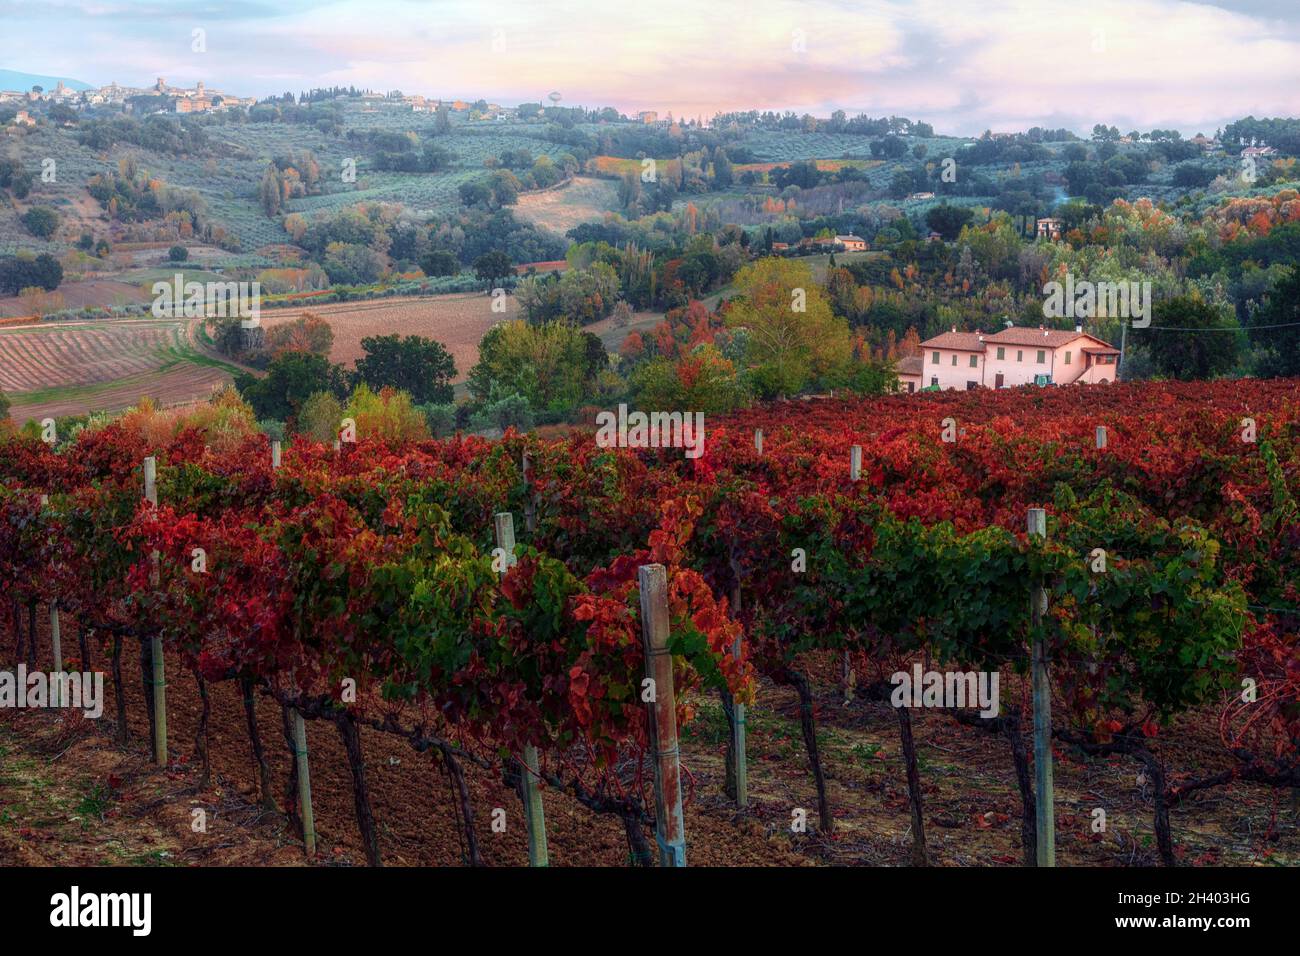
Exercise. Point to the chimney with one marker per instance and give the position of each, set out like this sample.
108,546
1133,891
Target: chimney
1078,328
954,328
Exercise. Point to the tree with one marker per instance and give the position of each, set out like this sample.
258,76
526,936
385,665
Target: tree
177,254
4,406
321,416
492,266
269,191
547,364
439,262
793,336
23,272
722,171
947,220
1189,339
307,333
416,365
389,414
891,147
703,381
1281,343
41,221
290,380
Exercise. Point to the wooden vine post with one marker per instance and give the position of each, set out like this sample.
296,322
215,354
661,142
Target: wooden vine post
738,733
304,781
534,812
758,441
849,678
299,729
1101,436
1045,802
159,670
670,831
56,643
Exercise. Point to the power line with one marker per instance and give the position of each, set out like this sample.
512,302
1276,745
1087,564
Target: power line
1242,328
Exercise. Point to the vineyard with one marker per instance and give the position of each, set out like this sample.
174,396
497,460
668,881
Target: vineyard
547,612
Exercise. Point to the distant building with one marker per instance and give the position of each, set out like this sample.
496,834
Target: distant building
1259,151
1014,356
921,196
23,119
648,117
852,243
1049,229
200,99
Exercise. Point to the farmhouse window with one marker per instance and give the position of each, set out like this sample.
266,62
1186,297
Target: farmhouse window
1020,355
974,361
936,359
1067,358
954,360
1002,353
1042,356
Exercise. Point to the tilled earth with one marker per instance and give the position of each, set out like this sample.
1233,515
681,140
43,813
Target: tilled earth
70,796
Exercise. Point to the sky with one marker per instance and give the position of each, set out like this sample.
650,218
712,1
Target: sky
962,65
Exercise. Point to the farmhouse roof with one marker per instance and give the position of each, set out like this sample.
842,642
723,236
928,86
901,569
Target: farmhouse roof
912,365
1016,335
956,341
1042,338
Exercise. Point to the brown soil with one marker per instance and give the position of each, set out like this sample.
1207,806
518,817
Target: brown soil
67,795
104,365
457,320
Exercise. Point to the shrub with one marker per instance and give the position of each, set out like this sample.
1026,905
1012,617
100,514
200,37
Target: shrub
510,411
439,419
41,221
388,414
320,417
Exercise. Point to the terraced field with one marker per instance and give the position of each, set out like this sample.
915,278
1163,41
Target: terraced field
72,368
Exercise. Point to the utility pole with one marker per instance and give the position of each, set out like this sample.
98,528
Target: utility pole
1123,338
